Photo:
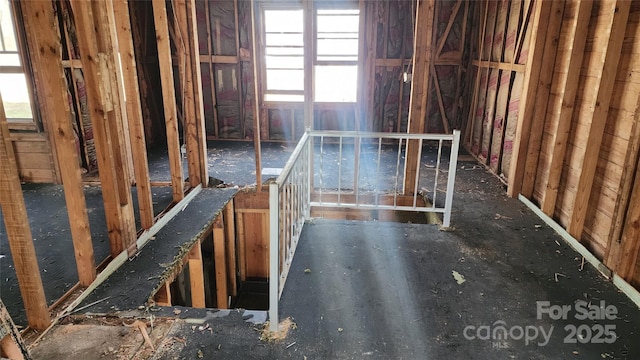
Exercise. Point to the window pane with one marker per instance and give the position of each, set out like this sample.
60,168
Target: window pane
336,83
338,23
285,51
285,62
283,21
284,39
284,54
15,95
285,79
8,38
338,47
9,59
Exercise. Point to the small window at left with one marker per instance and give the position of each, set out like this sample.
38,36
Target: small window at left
14,87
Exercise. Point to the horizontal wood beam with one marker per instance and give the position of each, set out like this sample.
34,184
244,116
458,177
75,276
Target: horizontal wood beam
484,64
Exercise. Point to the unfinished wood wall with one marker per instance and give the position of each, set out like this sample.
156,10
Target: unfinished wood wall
573,94
500,44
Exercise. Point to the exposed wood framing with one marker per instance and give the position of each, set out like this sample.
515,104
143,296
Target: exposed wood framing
624,254
54,103
168,97
196,276
18,232
191,81
230,246
572,66
422,58
256,105
533,63
609,65
134,112
97,46
220,261
542,97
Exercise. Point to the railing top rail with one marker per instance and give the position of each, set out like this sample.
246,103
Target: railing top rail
292,159
359,134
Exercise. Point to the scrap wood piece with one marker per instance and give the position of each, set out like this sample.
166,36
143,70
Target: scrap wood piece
142,326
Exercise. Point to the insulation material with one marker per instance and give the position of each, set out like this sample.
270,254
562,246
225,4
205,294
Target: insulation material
512,30
227,98
222,27
511,123
489,30
499,33
502,103
477,117
208,104
394,40
386,102
487,120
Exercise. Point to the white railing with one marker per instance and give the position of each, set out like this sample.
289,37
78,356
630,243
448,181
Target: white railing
354,170
289,207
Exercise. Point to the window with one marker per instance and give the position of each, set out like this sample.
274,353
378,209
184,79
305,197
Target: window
336,59
13,80
284,55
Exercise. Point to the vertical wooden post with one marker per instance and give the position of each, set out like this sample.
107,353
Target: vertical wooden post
609,61
96,43
230,238
527,104
39,15
219,254
19,233
200,128
134,112
573,65
256,97
542,97
168,97
192,97
422,58
196,277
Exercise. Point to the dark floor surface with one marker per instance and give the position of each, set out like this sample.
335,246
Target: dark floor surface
388,291
46,208
394,291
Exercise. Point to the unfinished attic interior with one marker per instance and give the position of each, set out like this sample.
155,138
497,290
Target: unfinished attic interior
317,179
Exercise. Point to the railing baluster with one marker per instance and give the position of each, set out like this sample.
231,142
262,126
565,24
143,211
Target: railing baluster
453,162
340,170
435,182
377,179
356,168
321,159
395,187
418,161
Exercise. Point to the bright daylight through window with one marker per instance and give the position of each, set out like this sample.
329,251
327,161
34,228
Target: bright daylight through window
284,55
335,61
13,82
